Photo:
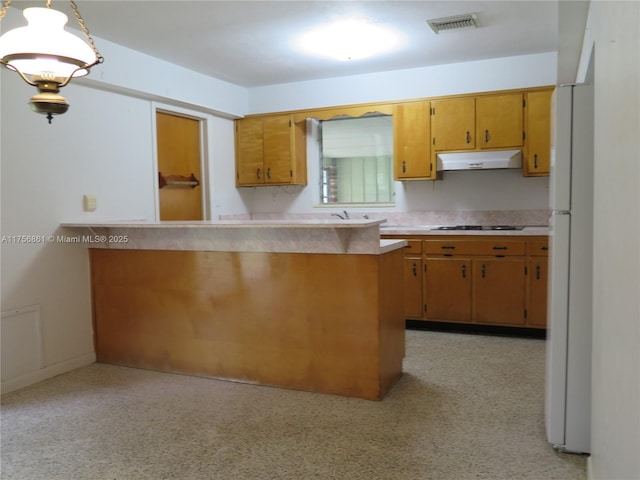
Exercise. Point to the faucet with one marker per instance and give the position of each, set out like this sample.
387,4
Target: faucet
344,216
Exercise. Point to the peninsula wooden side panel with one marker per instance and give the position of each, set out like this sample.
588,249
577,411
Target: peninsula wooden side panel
315,322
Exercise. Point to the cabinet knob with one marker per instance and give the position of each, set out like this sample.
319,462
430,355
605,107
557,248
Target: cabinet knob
468,137
487,137
415,269
484,270
258,174
269,173
464,271
404,167
535,161
537,272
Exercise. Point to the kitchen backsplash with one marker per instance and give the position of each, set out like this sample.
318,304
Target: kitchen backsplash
427,217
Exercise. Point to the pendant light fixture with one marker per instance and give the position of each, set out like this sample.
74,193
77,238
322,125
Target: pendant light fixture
46,56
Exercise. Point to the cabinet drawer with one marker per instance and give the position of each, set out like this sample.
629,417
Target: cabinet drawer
474,247
413,246
538,247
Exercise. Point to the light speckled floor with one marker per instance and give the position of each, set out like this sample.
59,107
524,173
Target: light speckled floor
467,407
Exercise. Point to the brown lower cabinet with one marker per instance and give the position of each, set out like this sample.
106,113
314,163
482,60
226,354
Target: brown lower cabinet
412,279
498,293
412,287
447,289
537,251
488,280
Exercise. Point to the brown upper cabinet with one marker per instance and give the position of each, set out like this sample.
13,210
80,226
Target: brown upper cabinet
500,120
453,124
270,150
538,127
470,123
411,145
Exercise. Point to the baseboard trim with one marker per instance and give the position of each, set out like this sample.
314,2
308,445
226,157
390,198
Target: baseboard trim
590,475
47,372
476,329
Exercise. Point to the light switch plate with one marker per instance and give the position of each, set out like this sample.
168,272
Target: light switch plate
89,203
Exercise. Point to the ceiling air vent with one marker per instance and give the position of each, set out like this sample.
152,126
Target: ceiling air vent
469,20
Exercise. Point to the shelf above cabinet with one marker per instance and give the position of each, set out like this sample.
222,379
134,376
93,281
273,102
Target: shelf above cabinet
177,181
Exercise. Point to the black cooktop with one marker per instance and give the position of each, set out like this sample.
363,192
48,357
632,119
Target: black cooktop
480,227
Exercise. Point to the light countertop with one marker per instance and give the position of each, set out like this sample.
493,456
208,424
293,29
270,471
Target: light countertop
200,224
429,230
358,236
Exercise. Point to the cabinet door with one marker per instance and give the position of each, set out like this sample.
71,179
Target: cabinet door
411,141
447,289
277,133
499,291
538,141
249,152
499,120
537,305
412,287
453,124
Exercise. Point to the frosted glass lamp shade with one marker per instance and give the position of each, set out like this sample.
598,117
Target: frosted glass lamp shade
44,48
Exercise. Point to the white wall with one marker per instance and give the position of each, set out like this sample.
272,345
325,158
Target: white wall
479,76
45,171
103,146
136,74
487,190
477,190
615,443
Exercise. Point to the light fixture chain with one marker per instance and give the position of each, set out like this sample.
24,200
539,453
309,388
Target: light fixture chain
85,30
3,10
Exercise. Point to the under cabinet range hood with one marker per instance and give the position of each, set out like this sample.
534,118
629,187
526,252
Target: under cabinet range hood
485,160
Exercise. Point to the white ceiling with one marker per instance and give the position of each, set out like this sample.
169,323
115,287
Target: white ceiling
252,43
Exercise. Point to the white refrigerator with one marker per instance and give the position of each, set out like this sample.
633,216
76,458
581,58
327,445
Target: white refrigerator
568,348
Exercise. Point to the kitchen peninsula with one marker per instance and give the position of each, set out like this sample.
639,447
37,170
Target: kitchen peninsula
308,305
